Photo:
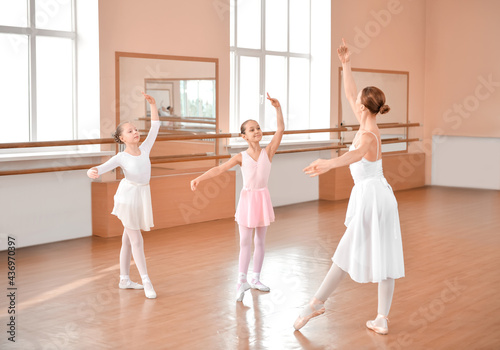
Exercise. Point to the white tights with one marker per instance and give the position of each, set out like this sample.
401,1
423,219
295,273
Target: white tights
336,274
132,244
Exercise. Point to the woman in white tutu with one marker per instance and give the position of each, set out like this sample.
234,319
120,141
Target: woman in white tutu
371,249
133,197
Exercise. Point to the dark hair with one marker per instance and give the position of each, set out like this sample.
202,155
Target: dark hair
374,99
119,129
243,126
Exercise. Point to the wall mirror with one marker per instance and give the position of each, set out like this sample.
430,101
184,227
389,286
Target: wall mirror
185,90
186,105
395,85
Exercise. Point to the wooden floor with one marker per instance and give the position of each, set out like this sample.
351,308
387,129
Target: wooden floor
68,296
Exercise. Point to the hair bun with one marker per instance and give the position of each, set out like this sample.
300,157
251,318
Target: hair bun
384,109
116,137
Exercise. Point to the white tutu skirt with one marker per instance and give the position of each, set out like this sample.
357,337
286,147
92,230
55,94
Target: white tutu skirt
133,205
371,249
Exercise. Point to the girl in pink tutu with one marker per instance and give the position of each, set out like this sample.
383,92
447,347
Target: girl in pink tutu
255,210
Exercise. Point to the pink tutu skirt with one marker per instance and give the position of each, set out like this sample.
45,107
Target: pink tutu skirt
254,208
133,205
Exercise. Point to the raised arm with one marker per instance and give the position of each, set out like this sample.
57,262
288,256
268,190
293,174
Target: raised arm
278,135
350,90
155,124
236,160
321,166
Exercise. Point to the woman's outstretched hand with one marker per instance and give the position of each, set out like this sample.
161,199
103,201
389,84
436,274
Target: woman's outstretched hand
318,167
343,52
150,99
274,102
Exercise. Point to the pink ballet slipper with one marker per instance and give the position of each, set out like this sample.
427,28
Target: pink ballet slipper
310,311
377,329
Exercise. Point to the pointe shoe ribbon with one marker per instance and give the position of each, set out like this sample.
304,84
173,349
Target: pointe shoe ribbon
259,286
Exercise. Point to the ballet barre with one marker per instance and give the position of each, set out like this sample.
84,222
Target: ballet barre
196,156
191,136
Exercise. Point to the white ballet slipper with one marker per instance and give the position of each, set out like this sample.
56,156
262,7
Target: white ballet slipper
259,286
128,284
241,289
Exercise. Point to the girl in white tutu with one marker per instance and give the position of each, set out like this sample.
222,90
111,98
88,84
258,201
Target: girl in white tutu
133,197
255,210
371,249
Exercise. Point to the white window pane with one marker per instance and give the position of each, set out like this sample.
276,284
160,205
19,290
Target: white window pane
54,69
231,23
207,94
14,88
249,89
276,83
232,93
14,13
299,26
276,25
206,90
298,115
248,24
53,14
193,100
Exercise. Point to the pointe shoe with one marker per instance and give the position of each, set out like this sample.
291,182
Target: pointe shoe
128,284
259,286
148,289
379,330
241,289
313,311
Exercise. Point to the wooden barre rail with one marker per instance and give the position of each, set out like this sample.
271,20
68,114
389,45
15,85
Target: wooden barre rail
181,158
189,137
184,120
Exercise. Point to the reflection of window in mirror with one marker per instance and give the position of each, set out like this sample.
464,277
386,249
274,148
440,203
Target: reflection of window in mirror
395,85
162,77
182,113
186,105
198,98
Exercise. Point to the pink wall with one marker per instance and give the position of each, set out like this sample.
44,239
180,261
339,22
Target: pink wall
384,34
449,47
169,27
462,68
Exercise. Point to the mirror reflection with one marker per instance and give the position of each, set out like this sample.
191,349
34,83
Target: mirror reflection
185,90
186,106
395,85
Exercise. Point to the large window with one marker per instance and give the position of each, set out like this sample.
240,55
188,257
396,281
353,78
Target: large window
273,50
37,70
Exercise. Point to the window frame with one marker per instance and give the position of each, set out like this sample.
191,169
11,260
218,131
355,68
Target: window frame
261,53
32,32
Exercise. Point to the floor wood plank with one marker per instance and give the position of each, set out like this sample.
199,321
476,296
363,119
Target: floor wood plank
68,298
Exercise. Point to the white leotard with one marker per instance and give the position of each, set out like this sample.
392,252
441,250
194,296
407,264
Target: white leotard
137,169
